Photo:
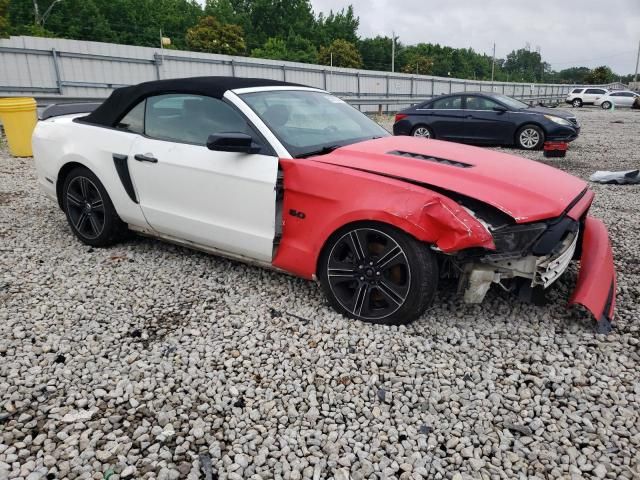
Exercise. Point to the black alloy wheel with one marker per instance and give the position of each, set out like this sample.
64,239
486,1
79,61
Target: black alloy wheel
85,207
378,274
89,210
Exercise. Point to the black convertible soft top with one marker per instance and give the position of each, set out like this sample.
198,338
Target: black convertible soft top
123,99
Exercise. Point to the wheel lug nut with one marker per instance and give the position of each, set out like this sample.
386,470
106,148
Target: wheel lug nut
378,273
361,278
370,263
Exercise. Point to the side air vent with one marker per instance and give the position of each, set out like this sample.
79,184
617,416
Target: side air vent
429,158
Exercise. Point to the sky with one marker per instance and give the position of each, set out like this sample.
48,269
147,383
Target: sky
569,32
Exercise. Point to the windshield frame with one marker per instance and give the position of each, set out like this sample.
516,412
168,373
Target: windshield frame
309,150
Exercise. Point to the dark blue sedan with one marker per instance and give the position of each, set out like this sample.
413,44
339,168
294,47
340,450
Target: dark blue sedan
487,118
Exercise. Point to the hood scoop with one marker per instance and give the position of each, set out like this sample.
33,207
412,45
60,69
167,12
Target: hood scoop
429,158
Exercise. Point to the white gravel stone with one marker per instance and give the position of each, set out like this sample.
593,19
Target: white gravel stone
146,359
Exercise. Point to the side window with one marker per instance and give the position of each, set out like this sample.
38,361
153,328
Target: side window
449,103
191,118
134,120
577,90
595,91
480,103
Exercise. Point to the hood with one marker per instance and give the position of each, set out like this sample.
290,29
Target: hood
525,190
557,112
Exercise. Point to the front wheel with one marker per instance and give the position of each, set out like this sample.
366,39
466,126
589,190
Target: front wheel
89,210
376,273
530,137
576,102
606,105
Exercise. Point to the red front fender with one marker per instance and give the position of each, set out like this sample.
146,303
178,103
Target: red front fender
596,286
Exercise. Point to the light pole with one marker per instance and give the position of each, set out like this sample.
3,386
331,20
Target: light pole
635,76
393,51
493,62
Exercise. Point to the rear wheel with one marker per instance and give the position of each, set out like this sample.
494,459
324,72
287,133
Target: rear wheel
422,131
376,273
530,137
606,105
576,102
89,210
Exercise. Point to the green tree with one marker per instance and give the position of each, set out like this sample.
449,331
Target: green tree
213,37
571,75
600,75
341,53
230,11
273,48
295,49
301,49
138,22
4,18
418,64
276,18
376,53
340,25
78,19
525,65
133,22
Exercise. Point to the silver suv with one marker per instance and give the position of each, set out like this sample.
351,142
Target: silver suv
585,96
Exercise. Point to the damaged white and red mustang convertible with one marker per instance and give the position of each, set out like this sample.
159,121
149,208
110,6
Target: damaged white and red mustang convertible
293,178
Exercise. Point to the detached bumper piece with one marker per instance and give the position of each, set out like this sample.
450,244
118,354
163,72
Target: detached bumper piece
596,286
555,149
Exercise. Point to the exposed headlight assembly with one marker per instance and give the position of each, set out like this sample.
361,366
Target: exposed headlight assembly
517,238
558,120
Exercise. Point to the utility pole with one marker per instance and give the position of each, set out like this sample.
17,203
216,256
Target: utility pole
331,70
635,77
493,62
393,52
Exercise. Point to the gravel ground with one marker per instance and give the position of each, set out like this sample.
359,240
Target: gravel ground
152,361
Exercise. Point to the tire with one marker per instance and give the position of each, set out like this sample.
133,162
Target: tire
576,102
422,131
377,273
530,137
606,105
89,210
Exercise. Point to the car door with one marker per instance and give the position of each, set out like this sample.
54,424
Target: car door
485,124
623,99
221,200
445,117
593,94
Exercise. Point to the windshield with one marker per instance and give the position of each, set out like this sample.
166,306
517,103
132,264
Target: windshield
510,102
309,122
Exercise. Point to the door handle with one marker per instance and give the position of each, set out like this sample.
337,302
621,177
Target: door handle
145,158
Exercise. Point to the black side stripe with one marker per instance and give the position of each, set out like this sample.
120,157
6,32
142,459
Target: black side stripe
122,168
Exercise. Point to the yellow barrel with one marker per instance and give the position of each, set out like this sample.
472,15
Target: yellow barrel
19,117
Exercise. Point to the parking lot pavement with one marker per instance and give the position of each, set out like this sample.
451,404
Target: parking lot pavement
132,361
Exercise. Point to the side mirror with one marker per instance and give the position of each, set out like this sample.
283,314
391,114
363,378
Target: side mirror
232,142
499,108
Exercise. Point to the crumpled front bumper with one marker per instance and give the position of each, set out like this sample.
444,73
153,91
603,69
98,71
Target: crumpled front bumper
596,286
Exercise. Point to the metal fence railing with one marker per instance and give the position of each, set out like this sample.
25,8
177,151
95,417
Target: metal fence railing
61,70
